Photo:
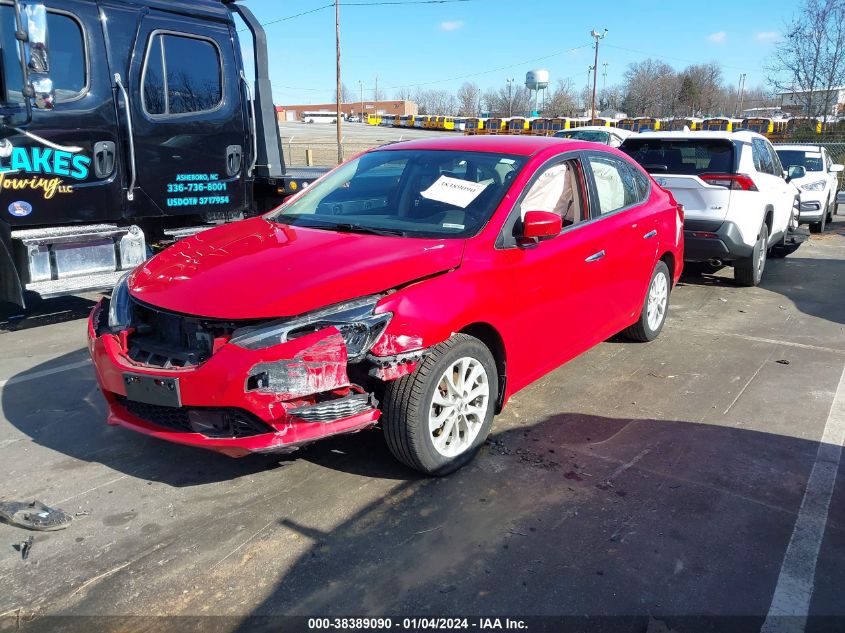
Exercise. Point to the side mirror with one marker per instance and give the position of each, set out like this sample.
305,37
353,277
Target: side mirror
541,225
38,65
836,168
795,171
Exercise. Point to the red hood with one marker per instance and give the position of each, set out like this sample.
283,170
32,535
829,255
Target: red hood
257,269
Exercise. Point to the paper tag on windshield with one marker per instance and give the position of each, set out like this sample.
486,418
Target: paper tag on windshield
454,191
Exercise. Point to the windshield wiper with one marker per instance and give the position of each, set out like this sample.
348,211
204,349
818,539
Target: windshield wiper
348,227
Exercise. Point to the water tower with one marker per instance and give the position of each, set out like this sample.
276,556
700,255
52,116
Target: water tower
535,81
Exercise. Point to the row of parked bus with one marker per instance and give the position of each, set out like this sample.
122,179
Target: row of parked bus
775,129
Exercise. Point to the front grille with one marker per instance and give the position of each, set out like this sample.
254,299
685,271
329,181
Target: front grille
214,422
167,340
332,410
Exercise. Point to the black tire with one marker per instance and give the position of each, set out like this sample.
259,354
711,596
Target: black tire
641,330
818,227
830,207
407,402
749,271
782,248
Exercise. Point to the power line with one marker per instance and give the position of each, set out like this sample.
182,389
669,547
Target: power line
360,4
677,59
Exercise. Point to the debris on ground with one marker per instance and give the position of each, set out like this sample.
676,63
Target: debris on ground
25,546
782,362
573,476
34,516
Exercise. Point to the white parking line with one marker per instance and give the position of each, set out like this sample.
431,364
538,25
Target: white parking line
43,373
791,600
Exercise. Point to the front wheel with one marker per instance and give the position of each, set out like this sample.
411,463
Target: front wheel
436,418
749,271
653,315
818,227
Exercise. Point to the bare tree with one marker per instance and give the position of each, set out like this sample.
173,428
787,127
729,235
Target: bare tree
651,88
700,89
810,59
346,95
469,97
563,101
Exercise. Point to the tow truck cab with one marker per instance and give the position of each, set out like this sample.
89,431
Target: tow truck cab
125,125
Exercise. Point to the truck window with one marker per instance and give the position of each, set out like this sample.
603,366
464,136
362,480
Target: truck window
182,75
68,63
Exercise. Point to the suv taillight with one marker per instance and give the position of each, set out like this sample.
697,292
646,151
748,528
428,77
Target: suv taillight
739,182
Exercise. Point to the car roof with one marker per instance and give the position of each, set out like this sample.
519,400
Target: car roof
600,128
495,144
743,135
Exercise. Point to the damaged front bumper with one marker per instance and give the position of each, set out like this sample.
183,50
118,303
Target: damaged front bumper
238,401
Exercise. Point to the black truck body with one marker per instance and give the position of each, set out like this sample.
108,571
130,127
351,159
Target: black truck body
152,132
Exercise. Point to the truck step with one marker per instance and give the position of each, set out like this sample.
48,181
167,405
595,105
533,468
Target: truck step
75,285
66,234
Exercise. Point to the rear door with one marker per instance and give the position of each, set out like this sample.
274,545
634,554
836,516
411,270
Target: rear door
689,168
188,117
777,192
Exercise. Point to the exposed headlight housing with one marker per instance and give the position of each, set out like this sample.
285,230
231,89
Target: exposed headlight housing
818,185
120,306
355,320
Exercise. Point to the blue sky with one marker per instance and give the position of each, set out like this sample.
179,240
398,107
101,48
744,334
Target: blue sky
428,45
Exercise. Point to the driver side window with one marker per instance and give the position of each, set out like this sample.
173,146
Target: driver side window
557,190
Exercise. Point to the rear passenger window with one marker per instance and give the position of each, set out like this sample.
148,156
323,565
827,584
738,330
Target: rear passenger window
762,159
182,75
615,184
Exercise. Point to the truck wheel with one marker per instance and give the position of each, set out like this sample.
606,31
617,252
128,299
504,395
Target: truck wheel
436,418
749,272
656,305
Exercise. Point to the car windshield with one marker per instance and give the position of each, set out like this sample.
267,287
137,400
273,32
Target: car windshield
811,161
681,156
413,193
595,136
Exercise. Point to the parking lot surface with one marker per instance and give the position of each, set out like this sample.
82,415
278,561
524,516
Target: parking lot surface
661,480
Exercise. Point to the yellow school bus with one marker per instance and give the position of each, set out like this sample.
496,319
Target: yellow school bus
557,124
646,124
474,125
496,125
518,125
761,125
409,122
693,124
539,126
626,124
459,124
602,121
579,122
720,124
373,119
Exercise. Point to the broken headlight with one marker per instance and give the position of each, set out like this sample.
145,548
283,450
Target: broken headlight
120,308
356,321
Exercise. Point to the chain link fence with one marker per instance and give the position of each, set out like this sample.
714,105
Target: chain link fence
320,154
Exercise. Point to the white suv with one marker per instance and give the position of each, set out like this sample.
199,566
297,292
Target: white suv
818,185
738,201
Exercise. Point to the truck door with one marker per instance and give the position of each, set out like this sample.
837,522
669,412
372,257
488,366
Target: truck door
188,118
66,170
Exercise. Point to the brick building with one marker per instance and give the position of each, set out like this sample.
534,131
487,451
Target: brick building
294,112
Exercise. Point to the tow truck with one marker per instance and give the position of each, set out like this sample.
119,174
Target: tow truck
125,126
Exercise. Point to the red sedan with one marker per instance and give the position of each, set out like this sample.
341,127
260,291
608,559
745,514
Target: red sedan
418,285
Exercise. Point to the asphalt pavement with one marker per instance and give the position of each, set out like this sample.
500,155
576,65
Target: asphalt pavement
643,485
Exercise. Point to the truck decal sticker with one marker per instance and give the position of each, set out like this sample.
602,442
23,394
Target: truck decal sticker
20,209
35,163
194,184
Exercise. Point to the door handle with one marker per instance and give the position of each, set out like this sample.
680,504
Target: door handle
650,234
595,257
234,154
104,155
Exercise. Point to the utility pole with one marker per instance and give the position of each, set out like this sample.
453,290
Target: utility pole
361,87
741,94
510,99
597,36
375,94
339,95
604,77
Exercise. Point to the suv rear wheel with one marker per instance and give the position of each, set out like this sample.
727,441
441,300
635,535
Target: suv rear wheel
749,271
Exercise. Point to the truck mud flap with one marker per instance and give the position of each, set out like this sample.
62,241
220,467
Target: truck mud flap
10,284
